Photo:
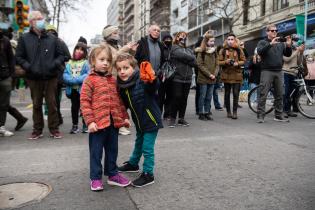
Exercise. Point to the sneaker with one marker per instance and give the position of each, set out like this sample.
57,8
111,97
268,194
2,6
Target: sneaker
279,118
127,167
124,131
20,123
56,135
260,119
36,135
4,132
118,180
292,114
219,108
97,185
74,129
182,122
85,129
172,123
143,180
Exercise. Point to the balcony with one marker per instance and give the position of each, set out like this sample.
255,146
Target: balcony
129,28
129,17
129,7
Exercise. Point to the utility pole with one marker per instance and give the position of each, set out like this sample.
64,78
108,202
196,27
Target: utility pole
305,19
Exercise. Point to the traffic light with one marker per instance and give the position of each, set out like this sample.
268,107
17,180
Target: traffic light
21,14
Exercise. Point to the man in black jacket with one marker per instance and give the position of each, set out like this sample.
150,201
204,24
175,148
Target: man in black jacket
151,49
41,55
272,51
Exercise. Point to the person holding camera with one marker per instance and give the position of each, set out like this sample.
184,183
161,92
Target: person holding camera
272,50
231,58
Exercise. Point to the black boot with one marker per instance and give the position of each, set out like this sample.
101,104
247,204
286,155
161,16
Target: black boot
21,120
234,116
202,117
208,116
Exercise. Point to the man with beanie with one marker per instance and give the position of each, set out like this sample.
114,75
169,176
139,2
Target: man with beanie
111,37
41,56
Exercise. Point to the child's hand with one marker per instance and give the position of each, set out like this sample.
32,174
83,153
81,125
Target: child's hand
92,127
127,123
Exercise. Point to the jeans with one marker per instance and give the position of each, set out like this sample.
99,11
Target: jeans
44,89
268,79
206,91
236,92
5,90
216,100
289,86
144,144
105,139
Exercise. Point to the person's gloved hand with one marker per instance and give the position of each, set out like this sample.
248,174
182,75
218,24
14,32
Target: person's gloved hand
147,73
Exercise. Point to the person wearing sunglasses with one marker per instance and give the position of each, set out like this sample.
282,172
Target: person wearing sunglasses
271,50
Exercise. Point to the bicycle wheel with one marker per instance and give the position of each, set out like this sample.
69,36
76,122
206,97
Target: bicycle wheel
252,101
305,105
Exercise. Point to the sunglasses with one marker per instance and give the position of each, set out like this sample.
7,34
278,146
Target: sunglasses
273,31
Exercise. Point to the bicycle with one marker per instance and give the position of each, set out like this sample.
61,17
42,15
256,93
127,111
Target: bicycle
305,101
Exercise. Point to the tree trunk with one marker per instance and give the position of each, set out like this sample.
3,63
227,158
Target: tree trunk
58,14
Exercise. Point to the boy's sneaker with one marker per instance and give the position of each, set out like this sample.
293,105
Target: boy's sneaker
143,180
97,185
279,118
118,180
74,129
127,167
85,129
35,135
182,122
56,135
171,123
4,132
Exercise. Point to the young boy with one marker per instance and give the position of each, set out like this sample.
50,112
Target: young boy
137,90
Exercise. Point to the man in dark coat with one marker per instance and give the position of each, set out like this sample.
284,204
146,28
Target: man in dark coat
41,55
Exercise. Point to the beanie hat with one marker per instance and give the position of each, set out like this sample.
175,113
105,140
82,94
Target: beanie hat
82,40
167,36
50,27
108,30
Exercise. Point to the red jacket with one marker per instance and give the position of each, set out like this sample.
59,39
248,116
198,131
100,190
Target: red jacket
99,99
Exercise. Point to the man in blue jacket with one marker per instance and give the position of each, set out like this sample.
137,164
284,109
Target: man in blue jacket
272,50
41,55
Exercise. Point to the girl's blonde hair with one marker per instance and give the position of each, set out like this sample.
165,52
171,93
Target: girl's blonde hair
97,50
126,56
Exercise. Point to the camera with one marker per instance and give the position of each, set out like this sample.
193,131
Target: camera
232,62
282,39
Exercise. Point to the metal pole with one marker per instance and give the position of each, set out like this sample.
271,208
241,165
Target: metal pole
305,19
222,24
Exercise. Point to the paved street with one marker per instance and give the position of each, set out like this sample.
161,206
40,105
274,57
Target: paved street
224,164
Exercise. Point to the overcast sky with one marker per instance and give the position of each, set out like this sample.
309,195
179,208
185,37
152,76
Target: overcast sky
87,23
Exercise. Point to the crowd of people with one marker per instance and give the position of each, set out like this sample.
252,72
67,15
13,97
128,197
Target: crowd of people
152,78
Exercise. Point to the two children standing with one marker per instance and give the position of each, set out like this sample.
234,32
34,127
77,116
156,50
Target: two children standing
103,104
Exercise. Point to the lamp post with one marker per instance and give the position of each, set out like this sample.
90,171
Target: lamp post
305,19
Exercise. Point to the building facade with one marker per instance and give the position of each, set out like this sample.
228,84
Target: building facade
160,14
251,27
178,16
113,13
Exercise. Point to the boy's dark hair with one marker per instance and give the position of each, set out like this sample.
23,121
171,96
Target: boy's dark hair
126,56
231,34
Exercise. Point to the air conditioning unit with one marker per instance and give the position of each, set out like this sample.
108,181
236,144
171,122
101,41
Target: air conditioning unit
209,12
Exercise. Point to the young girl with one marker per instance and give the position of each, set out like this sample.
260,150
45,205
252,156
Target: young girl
104,113
76,71
138,93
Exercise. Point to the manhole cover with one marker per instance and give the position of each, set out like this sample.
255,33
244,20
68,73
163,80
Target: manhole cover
15,195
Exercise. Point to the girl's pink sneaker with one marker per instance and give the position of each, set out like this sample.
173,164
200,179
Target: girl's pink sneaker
97,185
118,180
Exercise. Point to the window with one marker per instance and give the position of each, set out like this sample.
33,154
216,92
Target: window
183,21
183,3
263,8
175,13
192,21
280,4
245,9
